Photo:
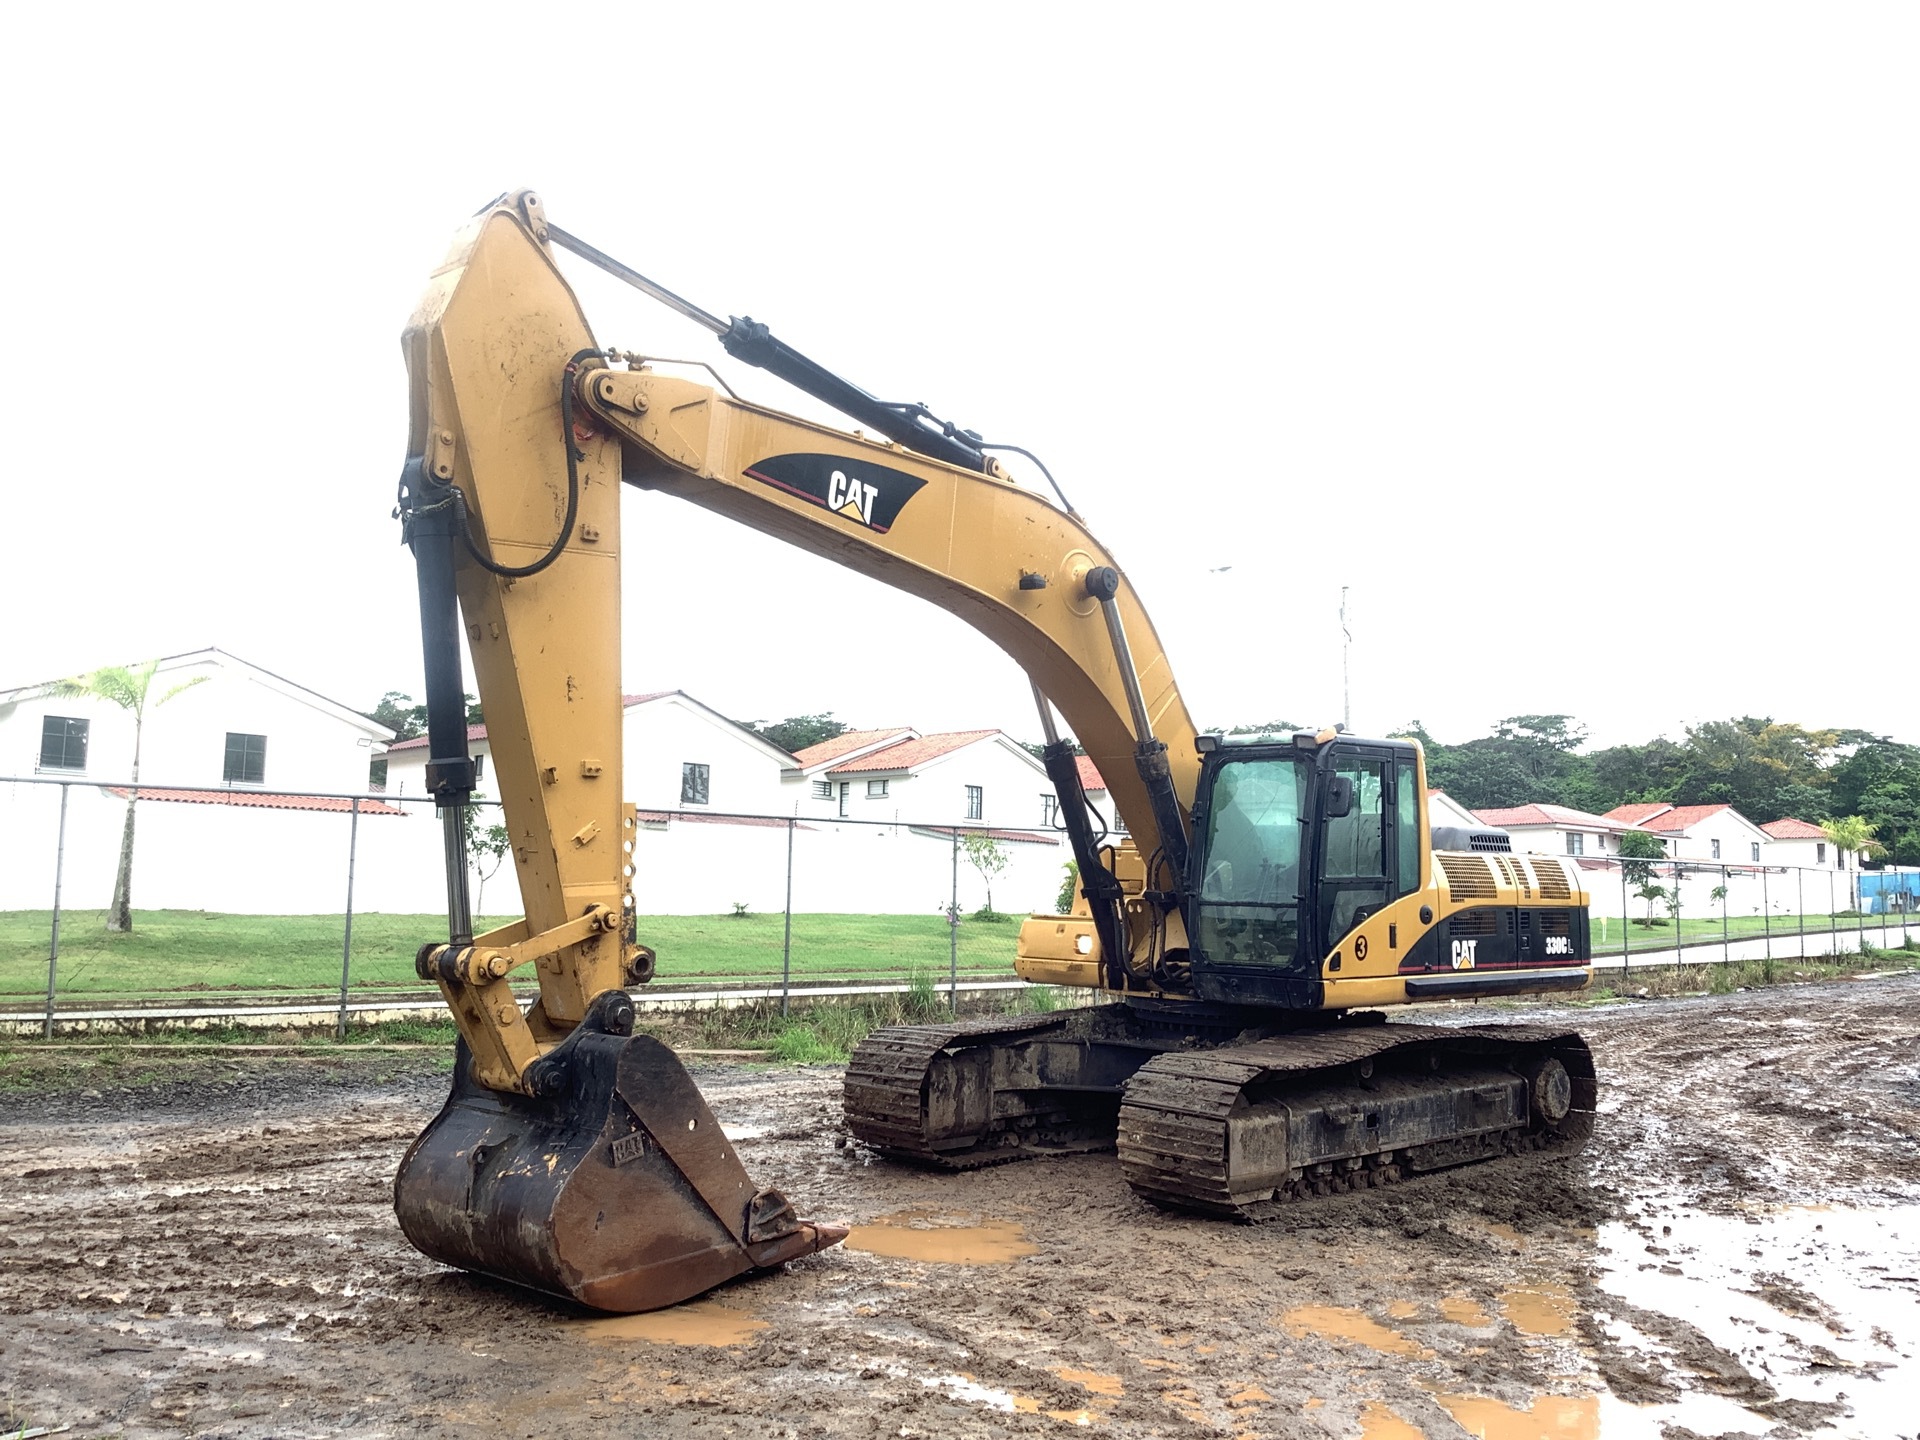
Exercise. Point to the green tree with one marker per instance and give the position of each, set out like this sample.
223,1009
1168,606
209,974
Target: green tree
487,846
130,687
1653,894
1760,766
408,721
797,732
1637,848
1069,885
1880,781
988,856
1850,832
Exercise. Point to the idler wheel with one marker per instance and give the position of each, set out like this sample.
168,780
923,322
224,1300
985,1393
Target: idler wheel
1549,1091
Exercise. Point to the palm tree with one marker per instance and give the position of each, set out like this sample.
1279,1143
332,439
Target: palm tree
1853,833
128,687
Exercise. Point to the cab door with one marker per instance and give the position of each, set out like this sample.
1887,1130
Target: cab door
1357,857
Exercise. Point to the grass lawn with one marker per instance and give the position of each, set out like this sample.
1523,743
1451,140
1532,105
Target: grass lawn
1705,930
191,950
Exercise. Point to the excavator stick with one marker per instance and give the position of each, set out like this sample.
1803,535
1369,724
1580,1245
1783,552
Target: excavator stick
614,1187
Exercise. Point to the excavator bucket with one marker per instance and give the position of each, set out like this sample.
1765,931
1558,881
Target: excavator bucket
614,1186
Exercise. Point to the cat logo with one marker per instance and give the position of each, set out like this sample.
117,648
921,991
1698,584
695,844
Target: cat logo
1463,953
851,498
869,495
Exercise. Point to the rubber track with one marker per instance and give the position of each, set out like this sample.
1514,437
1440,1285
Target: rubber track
1173,1119
886,1080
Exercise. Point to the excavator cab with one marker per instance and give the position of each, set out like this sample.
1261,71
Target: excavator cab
1298,842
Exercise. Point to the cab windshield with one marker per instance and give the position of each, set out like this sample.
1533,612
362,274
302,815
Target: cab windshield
1250,872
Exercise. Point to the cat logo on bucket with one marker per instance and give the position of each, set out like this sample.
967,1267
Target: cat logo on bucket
868,495
1463,953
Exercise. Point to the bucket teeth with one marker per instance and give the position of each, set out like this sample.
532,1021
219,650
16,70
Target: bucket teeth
613,1187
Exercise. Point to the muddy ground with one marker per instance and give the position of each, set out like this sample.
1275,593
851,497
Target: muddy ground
1737,1253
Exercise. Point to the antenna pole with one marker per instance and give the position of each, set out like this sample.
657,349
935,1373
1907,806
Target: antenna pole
1346,664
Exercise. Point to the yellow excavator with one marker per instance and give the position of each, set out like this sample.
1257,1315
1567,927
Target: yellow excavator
1268,897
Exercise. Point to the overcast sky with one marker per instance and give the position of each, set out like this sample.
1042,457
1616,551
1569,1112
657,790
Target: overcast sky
1580,342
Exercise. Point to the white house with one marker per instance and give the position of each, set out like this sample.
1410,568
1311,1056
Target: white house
1556,829
1795,842
676,754
1711,833
978,777
226,749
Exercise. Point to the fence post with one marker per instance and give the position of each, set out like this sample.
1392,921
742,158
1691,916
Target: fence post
1766,910
1800,895
53,943
346,946
1727,943
1856,888
786,934
1626,927
1833,920
1679,951
953,933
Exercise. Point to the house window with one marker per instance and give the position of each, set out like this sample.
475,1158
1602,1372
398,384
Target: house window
1819,854
976,802
693,783
823,789
876,789
1716,849
1576,843
846,789
246,759
1756,852
1049,810
63,743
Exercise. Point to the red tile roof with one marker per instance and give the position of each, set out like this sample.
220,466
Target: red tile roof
1676,819
1017,837
908,754
419,742
1562,816
1089,773
844,743
1637,814
263,800
627,701
1792,829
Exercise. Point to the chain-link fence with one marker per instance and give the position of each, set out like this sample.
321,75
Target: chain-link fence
306,903
291,901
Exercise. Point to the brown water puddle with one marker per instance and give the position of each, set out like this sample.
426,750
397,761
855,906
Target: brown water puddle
1098,1381
907,1237
1355,1325
1538,1309
701,1322
1382,1422
1550,1417
1402,1310
1464,1310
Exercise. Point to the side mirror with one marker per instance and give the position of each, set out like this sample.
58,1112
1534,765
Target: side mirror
1339,797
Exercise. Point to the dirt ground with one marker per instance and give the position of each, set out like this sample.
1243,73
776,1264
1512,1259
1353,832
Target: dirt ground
1738,1253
